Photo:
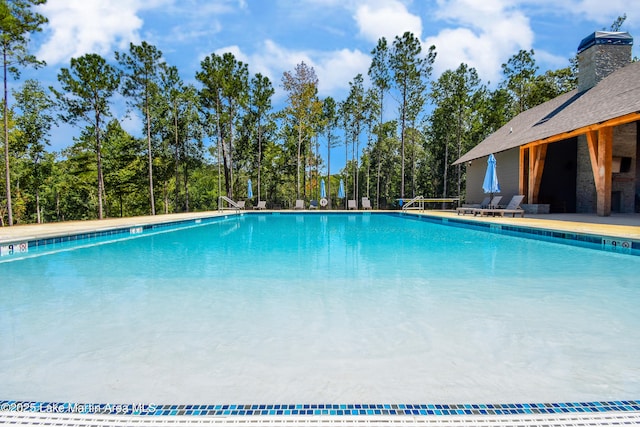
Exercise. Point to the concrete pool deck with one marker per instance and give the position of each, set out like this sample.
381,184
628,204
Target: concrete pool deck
53,229
616,225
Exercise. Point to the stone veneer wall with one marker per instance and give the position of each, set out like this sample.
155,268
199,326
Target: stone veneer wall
585,185
600,60
596,63
624,145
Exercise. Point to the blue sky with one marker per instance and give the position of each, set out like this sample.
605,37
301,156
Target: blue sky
334,36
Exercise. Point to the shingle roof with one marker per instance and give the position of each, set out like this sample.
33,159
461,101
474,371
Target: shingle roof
616,95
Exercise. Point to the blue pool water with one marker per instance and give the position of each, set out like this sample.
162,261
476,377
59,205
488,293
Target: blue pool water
338,308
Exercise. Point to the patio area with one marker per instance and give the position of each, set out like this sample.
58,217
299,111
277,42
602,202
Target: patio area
615,225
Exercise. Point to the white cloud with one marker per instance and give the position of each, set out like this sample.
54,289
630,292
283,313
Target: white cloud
597,10
235,50
77,27
388,19
334,69
484,36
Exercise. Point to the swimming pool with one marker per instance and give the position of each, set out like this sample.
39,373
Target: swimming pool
321,308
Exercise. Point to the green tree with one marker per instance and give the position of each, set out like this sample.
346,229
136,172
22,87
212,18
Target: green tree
87,87
453,94
17,22
354,109
410,71
76,177
385,156
303,108
520,73
379,72
141,66
380,75
224,94
124,171
261,92
552,84
372,108
34,125
178,107
495,111
329,123
617,24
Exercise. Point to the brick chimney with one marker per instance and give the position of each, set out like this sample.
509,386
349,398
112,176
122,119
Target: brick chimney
600,54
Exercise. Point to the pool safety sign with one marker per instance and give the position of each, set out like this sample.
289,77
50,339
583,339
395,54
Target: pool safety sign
623,246
14,248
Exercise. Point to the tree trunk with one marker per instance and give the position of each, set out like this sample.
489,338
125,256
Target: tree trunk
356,155
220,152
329,170
6,141
317,161
259,155
404,109
446,157
38,205
150,156
459,138
99,165
186,186
378,185
230,153
298,162
177,154
165,193
57,205
368,176
346,163
227,176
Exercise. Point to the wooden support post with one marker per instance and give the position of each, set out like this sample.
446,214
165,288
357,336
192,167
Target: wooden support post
530,166
605,157
600,144
592,143
522,177
537,157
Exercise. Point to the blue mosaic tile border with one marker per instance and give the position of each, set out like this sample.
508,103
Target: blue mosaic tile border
321,409
111,233
585,240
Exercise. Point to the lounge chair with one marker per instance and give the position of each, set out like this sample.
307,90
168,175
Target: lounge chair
351,204
470,208
313,204
241,204
493,204
366,203
262,204
512,208
299,204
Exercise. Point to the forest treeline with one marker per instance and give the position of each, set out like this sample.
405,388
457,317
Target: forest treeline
400,129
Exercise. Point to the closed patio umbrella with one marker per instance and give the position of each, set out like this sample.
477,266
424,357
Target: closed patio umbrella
249,190
323,190
341,190
490,184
